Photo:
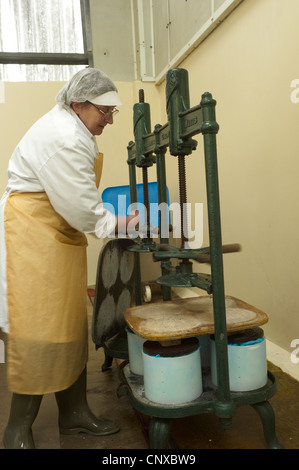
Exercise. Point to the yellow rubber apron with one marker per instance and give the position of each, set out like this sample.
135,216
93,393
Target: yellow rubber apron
46,295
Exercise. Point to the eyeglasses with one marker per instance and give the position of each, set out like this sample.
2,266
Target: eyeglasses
106,115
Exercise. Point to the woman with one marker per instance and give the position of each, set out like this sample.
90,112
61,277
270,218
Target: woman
50,201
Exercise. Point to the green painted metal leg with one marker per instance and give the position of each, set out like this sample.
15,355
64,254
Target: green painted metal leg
159,433
266,413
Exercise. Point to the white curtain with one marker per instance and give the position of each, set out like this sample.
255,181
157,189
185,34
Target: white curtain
40,26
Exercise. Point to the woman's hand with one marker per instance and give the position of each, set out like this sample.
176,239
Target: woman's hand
127,225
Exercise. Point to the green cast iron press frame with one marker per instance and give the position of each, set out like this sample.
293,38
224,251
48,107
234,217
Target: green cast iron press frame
150,148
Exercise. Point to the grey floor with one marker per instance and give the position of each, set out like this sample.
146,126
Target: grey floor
195,432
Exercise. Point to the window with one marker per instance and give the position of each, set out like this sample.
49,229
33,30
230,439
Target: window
43,40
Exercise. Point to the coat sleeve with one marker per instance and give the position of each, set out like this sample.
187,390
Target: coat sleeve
69,181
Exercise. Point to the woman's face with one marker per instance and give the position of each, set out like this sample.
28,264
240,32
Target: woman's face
93,116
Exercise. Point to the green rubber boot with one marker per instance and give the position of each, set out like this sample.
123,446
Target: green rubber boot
75,415
23,411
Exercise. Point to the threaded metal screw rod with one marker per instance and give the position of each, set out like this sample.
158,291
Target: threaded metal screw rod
183,198
145,180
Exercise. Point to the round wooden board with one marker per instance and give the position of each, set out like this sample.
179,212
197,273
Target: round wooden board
194,316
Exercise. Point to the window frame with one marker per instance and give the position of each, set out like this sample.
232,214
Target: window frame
50,58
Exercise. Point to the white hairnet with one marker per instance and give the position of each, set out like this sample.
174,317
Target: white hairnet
85,85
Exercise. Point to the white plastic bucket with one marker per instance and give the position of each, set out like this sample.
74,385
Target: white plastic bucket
172,378
135,344
247,361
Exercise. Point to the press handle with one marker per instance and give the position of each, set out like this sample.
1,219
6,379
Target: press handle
205,257
231,248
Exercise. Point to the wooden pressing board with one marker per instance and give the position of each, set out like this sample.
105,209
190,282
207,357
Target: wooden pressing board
194,316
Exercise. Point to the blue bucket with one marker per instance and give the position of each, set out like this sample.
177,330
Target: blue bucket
119,198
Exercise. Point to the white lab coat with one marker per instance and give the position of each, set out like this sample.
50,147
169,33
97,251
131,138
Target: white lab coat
56,156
